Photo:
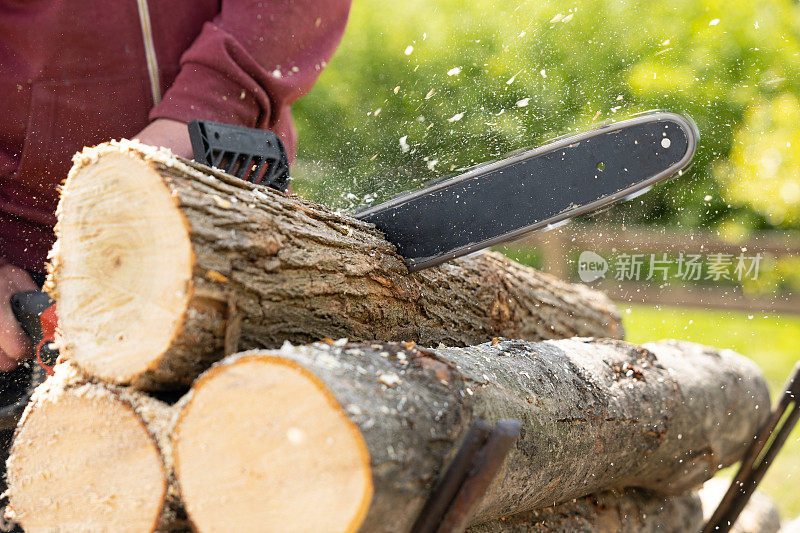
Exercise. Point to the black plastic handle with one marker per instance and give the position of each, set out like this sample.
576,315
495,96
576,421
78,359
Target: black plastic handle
253,155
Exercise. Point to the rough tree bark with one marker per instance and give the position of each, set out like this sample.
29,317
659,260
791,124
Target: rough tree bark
89,456
627,511
162,265
637,511
354,435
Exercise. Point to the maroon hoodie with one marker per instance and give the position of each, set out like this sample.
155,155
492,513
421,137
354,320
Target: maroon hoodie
75,73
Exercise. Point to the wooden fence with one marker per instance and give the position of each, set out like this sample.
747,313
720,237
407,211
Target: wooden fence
560,244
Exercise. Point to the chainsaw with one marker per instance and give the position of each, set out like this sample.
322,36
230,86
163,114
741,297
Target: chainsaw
495,202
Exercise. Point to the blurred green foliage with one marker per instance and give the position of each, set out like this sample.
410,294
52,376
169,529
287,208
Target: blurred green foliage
764,165
419,90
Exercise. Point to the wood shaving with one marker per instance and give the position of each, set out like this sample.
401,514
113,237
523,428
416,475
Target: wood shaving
213,275
390,380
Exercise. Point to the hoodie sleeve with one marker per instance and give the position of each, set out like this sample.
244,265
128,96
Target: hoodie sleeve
253,61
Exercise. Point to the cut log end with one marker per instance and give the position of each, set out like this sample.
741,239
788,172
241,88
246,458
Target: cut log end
122,287
290,458
63,470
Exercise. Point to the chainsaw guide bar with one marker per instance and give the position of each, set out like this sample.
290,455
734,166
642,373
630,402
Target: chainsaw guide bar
506,199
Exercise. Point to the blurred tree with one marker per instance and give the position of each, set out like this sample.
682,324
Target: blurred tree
763,169
420,90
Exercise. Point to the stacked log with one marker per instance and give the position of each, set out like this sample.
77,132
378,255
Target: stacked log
163,268
354,435
626,511
90,456
637,511
595,415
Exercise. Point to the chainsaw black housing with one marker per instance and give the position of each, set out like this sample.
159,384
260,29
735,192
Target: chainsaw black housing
257,156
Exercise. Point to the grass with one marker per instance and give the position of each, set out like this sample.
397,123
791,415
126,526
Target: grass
772,341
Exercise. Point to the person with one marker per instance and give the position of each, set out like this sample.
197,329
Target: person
75,73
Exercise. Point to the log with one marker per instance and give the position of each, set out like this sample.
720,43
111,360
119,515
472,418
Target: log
92,457
162,266
760,515
627,511
792,526
352,436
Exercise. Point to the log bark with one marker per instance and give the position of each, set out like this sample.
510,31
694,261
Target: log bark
353,435
89,456
163,265
628,511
